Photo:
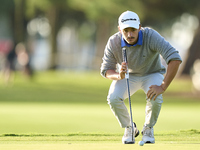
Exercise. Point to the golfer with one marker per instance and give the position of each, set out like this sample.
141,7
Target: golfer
144,47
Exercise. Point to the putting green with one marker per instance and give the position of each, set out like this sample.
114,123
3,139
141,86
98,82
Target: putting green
97,141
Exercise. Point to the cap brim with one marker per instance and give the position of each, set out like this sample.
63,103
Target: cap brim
132,25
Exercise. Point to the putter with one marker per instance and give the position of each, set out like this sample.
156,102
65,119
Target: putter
127,81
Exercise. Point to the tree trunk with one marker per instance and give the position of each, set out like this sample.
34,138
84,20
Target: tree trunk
53,15
194,54
19,19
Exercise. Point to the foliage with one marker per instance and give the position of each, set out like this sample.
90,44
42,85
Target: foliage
101,13
158,12
6,6
44,6
106,9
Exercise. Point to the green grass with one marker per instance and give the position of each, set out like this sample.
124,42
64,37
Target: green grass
59,118
186,139
59,110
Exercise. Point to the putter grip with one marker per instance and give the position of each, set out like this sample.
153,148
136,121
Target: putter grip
124,55
125,60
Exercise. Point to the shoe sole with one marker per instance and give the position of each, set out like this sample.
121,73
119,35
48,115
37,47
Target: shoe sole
149,142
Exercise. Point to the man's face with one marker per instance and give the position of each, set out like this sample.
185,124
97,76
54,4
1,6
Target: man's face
130,35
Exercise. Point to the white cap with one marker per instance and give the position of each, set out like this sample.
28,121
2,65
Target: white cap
128,19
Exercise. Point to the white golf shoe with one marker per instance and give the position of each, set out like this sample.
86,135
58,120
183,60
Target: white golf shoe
148,135
129,136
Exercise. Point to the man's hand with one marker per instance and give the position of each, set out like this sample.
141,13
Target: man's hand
154,90
172,69
113,75
123,70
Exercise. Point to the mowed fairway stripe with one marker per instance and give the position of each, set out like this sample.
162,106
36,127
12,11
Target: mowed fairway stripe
65,118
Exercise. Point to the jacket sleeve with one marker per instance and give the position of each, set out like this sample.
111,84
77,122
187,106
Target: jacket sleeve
167,51
109,60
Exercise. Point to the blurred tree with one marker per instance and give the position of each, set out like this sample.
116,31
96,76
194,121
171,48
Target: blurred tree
165,12
20,21
57,12
7,11
152,12
105,14
194,53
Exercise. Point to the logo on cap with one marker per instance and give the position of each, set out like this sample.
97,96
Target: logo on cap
124,20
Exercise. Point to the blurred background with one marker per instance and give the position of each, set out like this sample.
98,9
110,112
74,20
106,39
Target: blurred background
71,34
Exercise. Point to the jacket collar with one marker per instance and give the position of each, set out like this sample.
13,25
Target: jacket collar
139,42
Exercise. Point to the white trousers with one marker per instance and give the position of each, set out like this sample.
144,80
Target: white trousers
118,93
